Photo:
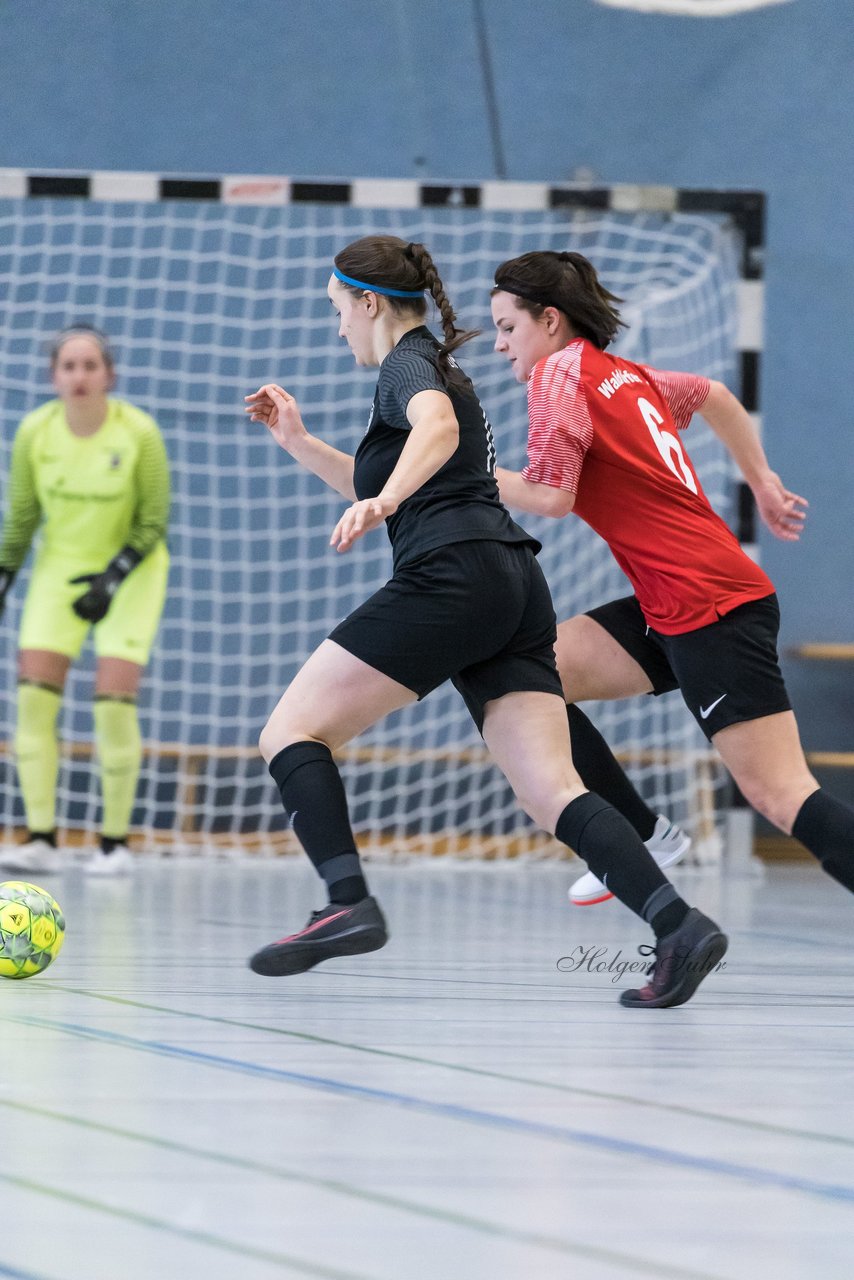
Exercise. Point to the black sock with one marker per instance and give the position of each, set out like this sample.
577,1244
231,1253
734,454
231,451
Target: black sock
313,795
826,827
600,771
613,849
110,843
49,837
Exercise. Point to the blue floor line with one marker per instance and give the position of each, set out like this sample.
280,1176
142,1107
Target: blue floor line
14,1274
747,1173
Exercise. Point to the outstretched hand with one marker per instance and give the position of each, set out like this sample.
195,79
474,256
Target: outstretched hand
279,412
359,520
783,512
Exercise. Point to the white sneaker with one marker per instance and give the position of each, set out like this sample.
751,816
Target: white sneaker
35,856
667,844
118,863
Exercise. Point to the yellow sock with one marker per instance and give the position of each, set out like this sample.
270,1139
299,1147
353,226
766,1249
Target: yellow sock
120,754
37,752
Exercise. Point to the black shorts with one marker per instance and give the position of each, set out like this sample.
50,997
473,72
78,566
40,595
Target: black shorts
727,672
477,613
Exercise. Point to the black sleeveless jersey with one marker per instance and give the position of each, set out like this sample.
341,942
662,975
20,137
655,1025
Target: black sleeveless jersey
460,502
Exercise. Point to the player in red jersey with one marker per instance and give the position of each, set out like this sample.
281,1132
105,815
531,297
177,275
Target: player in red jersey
604,442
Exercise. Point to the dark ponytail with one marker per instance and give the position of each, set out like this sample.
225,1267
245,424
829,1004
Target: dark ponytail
567,281
389,262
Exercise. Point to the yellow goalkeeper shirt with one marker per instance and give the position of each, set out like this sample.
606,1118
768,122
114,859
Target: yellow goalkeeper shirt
92,495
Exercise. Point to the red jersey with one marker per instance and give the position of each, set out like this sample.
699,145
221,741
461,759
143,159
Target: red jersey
604,429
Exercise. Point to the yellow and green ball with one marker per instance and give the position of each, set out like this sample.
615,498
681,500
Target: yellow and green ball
32,929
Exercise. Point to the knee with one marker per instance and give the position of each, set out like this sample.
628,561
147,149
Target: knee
545,807
30,740
760,794
38,710
778,800
34,741
276,735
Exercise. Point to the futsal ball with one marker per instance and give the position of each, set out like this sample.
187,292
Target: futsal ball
32,929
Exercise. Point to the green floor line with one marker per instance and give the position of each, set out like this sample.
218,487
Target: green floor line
383,1200
671,1108
243,1250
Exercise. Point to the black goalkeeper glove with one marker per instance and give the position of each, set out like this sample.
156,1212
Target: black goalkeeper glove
7,577
92,606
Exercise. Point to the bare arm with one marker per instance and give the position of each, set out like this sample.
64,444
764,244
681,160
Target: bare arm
782,511
280,414
432,441
539,499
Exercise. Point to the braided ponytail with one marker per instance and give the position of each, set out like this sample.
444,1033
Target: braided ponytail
454,337
391,263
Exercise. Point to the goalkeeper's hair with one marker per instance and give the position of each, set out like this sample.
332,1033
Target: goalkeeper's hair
392,263
81,329
567,281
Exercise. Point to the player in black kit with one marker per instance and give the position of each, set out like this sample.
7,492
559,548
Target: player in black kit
467,601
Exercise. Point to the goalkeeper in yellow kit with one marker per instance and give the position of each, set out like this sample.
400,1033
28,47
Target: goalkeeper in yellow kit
92,471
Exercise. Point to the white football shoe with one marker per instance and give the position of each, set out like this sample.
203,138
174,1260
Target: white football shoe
118,863
667,844
38,856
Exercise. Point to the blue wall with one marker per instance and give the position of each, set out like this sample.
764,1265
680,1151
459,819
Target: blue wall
395,87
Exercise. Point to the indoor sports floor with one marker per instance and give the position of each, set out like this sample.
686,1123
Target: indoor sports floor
454,1107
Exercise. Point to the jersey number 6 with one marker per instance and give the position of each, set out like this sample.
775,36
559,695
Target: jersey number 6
667,444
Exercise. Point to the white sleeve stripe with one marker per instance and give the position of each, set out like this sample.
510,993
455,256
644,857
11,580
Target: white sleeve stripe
682,392
560,430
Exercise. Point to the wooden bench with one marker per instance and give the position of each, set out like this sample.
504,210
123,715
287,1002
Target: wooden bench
832,651
192,761
826,651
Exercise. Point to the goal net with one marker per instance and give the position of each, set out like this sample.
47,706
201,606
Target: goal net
203,302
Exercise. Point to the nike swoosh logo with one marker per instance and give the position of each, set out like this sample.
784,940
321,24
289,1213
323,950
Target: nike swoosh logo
705,712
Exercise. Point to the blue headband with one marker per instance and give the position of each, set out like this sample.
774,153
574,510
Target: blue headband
375,288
